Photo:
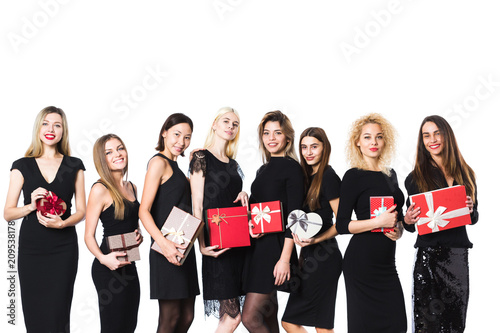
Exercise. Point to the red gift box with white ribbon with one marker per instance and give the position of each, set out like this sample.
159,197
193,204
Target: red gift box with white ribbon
266,217
378,205
441,209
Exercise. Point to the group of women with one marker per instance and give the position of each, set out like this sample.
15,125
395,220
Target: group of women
240,284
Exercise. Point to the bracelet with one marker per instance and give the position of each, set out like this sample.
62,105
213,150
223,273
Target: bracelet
284,262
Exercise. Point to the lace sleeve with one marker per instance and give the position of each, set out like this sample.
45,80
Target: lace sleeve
198,163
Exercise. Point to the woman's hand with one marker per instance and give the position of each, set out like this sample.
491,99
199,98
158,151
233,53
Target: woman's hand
111,260
243,198
303,242
250,230
397,233
138,236
281,272
37,194
50,221
470,204
212,251
387,219
412,214
171,251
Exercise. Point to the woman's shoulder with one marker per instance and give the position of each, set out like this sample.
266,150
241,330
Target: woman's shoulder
330,175
74,162
21,162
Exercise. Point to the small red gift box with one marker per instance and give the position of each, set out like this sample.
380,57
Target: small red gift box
228,227
125,243
181,228
441,209
378,205
51,204
267,217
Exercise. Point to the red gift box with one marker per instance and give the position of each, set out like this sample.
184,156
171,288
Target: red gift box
125,243
441,209
267,217
378,205
228,227
51,204
181,228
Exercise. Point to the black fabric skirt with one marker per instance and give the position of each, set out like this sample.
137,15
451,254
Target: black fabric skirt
314,304
440,289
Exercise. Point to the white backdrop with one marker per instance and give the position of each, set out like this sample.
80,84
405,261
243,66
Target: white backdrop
124,66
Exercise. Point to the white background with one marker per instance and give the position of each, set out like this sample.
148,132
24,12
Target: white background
324,63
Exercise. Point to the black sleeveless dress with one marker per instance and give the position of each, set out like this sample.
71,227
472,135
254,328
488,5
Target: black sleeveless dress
222,276
118,291
314,304
166,280
48,258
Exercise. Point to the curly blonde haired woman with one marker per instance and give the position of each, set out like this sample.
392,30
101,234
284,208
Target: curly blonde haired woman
374,296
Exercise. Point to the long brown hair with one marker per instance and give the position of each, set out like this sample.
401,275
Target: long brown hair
36,148
107,179
286,128
453,162
312,197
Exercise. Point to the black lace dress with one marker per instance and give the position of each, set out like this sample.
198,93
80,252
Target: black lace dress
222,276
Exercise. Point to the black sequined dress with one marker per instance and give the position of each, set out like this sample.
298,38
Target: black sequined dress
222,276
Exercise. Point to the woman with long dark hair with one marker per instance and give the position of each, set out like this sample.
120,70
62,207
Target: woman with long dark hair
113,201
375,300
441,270
174,286
48,245
270,259
314,304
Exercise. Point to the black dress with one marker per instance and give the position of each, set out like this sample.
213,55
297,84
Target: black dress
375,300
222,275
168,281
118,291
314,304
48,258
441,272
279,179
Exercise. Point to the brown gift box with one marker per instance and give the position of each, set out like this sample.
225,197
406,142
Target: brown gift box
124,243
181,228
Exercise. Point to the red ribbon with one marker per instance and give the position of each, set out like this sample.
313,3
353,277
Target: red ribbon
52,204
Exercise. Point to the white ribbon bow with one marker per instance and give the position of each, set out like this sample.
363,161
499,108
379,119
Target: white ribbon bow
178,235
261,214
438,218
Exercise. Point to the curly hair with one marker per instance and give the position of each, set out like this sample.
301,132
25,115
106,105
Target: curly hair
353,152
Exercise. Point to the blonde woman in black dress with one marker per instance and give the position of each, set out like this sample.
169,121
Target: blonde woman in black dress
375,300
113,201
216,182
174,286
48,245
272,257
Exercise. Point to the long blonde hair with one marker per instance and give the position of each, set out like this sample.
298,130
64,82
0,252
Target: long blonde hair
104,172
36,148
353,152
286,128
232,146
